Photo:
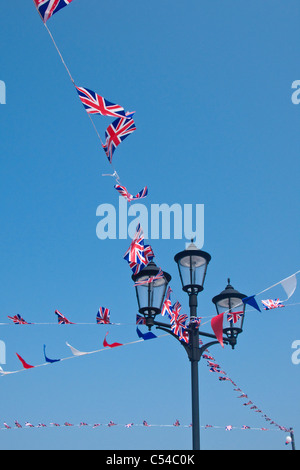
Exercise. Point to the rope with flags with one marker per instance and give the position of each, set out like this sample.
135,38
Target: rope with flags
93,103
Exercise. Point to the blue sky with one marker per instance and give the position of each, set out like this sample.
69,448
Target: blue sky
211,86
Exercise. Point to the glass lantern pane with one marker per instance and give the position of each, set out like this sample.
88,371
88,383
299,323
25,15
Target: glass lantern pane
192,270
151,294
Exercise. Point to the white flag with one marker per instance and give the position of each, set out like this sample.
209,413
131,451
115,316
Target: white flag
75,352
289,285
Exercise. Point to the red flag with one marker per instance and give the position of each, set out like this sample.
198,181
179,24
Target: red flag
217,326
114,345
25,365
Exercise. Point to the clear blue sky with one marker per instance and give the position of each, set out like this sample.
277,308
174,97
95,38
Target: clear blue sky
211,86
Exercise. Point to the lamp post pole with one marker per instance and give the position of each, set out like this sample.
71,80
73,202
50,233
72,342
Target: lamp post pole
194,359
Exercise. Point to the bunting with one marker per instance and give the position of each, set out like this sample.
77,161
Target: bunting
129,197
96,104
48,8
252,302
96,425
145,336
217,326
270,304
103,316
51,361
18,320
62,320
113,345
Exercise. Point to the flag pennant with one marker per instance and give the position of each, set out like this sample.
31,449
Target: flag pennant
138,255
179,323
289,285
24,363
167,305
18,320
140,320
75,352
270,304
145,336
47,8
234,317
114,345
252,302
129,197
159,275
51,361
103,316
96,104
62,320
116,133
217,326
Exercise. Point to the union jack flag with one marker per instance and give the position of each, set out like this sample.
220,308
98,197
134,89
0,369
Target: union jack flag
178,323
205,356
138,254
140,320
62,320
129,197
103,316
135,252
271,304
159,275
96,104
222,379
111,423
18,320
116,133
234,316
47,8
166,308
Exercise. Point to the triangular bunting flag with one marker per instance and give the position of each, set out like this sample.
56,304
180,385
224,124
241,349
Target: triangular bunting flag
114,345
75,352
24,363
252,302
289,285
145,336
51,361
217,326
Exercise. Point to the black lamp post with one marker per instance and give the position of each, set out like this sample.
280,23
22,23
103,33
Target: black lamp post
192,264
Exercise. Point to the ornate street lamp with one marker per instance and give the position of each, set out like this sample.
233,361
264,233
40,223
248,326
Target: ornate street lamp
151,284
192,265
229,302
